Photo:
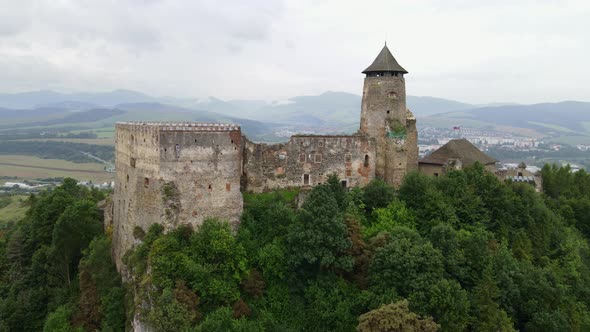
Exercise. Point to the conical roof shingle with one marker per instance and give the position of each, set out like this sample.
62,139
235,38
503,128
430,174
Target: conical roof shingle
385,62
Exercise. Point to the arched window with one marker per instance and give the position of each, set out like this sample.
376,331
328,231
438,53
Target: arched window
366,160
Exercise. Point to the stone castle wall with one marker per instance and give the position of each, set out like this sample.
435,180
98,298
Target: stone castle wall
173,174
308,160
385,118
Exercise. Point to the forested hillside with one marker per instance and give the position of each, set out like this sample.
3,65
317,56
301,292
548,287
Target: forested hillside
461,252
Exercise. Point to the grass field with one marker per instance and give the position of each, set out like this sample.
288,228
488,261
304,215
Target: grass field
28,167
14,210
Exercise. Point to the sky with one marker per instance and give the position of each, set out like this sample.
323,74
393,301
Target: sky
477,51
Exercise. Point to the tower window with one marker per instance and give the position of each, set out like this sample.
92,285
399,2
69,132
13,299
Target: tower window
318,158
366,160
302,158
343,183
388,111
306,179
177,151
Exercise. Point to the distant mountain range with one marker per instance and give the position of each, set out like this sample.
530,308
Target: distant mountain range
329,111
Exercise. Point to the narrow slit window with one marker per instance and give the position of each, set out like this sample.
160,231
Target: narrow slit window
366,164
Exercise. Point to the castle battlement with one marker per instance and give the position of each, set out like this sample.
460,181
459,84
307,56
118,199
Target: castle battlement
179,126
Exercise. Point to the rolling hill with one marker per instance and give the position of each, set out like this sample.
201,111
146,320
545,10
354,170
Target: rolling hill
327,112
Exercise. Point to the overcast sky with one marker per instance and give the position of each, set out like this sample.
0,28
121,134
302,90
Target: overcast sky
476,51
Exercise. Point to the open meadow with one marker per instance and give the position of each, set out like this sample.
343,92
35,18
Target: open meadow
30,167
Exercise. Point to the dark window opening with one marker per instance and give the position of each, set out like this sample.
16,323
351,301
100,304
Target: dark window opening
306,179
387,111
366,160
435,174
127,177
177,151
146,182
343,183
132,162
232,141
519,173
302,158
195,140
210,187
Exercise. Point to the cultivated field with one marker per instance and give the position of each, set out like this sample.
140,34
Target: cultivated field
96,141
29,167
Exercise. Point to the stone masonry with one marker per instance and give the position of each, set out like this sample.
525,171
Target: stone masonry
182,173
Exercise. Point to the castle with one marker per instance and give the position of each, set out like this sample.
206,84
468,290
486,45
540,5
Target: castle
182,173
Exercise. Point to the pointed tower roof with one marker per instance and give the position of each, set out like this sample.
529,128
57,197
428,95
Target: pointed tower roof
385,62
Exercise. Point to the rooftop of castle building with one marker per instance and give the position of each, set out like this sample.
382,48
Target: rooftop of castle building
458,149
182,126
385,62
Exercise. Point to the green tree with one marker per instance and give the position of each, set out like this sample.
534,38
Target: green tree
407,263
320,239
488,315
377,194
73,231
448,303
385,219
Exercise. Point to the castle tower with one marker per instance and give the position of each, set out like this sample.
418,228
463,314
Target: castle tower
385,118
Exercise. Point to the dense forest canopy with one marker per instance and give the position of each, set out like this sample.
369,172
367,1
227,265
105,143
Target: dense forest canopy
461,252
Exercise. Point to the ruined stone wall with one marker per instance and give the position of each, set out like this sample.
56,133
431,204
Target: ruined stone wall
173,174
431,169
411,143
308,160
384,118
136,157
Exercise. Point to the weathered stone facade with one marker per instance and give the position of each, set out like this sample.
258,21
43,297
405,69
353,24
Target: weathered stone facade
173,174
308,160
182,173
